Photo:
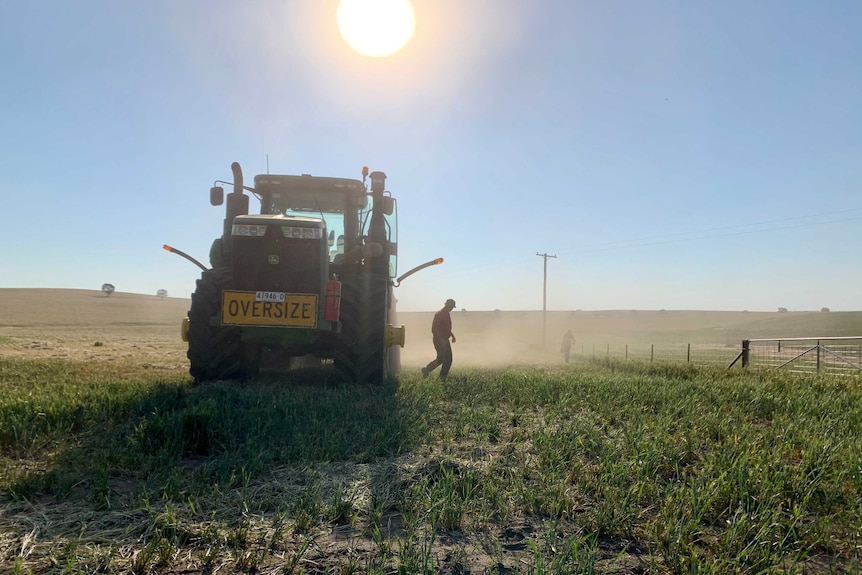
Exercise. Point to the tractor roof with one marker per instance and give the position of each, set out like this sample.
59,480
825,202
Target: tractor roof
305,182
309,193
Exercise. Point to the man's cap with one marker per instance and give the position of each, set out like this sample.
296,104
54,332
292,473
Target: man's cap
451,302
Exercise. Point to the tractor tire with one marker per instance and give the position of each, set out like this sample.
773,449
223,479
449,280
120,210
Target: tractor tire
345,355
372,346
214,351
359,354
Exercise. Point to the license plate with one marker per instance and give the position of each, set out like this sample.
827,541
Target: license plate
261,308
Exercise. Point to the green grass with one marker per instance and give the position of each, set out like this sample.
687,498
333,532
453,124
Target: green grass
593,467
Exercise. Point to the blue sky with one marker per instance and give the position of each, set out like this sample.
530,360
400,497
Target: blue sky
676,154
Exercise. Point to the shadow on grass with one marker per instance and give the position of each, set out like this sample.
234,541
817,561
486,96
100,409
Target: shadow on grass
99,429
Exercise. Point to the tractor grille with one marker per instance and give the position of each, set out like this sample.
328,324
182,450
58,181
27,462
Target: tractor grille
276,263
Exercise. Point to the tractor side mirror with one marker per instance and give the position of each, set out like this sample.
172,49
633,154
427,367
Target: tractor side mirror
216,195
388,205
331,239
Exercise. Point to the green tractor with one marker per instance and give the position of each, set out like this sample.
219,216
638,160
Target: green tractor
311,276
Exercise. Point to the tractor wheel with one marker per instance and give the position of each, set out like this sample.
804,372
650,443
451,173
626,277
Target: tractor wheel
359,351
345,356
214,351
371,348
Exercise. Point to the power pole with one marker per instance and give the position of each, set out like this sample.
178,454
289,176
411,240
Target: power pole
544,294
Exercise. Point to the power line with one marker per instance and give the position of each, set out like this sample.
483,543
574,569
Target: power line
479,267
698,234
679,237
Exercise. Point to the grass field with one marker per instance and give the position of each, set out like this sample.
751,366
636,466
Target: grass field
111,461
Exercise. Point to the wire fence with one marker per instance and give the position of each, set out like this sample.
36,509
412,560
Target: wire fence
834,355
706,354
826,355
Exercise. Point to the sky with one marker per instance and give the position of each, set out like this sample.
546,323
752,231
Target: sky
671,155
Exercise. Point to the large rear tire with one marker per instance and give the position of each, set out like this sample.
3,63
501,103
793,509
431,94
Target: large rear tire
345,354
214,351
360,354
372,350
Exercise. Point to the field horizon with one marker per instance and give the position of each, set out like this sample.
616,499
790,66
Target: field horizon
87,324
74,292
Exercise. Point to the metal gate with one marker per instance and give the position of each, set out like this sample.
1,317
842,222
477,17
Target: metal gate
835,355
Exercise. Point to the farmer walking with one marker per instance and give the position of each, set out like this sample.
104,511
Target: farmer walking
441,331
566,346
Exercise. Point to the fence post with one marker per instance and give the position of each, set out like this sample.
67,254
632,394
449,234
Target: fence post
688,354
627,351
651,351
609,350
746,350
818,356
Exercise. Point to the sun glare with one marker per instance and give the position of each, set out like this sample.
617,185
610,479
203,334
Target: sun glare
376,28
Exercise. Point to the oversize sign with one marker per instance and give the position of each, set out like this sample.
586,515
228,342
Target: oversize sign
261,308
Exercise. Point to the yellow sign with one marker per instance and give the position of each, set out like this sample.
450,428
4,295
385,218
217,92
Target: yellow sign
260,308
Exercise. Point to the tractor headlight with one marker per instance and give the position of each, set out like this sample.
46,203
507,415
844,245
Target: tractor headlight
248,230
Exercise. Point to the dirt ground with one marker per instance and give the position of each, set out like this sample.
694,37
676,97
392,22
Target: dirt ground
88,325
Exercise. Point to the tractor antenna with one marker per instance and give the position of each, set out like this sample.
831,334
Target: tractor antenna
267,164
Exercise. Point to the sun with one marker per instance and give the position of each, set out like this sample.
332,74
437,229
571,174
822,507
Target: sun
376,28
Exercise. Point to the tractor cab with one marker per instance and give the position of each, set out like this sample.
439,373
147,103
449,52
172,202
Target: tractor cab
342,205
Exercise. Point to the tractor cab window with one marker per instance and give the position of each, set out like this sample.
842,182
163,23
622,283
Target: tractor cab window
334,230
323,205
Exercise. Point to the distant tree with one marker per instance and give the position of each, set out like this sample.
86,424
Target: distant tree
824,309
782,310
108,289
162,293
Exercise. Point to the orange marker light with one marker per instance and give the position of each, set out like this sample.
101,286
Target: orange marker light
364,171
433,262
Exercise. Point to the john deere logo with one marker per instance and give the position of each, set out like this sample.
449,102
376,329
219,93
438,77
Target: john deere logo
273,259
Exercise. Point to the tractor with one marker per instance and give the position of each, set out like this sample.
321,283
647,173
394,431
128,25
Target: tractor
310,277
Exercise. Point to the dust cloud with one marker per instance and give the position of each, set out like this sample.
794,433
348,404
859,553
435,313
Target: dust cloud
485,338
500,338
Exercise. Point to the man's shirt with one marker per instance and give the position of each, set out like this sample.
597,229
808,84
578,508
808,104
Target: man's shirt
442,325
